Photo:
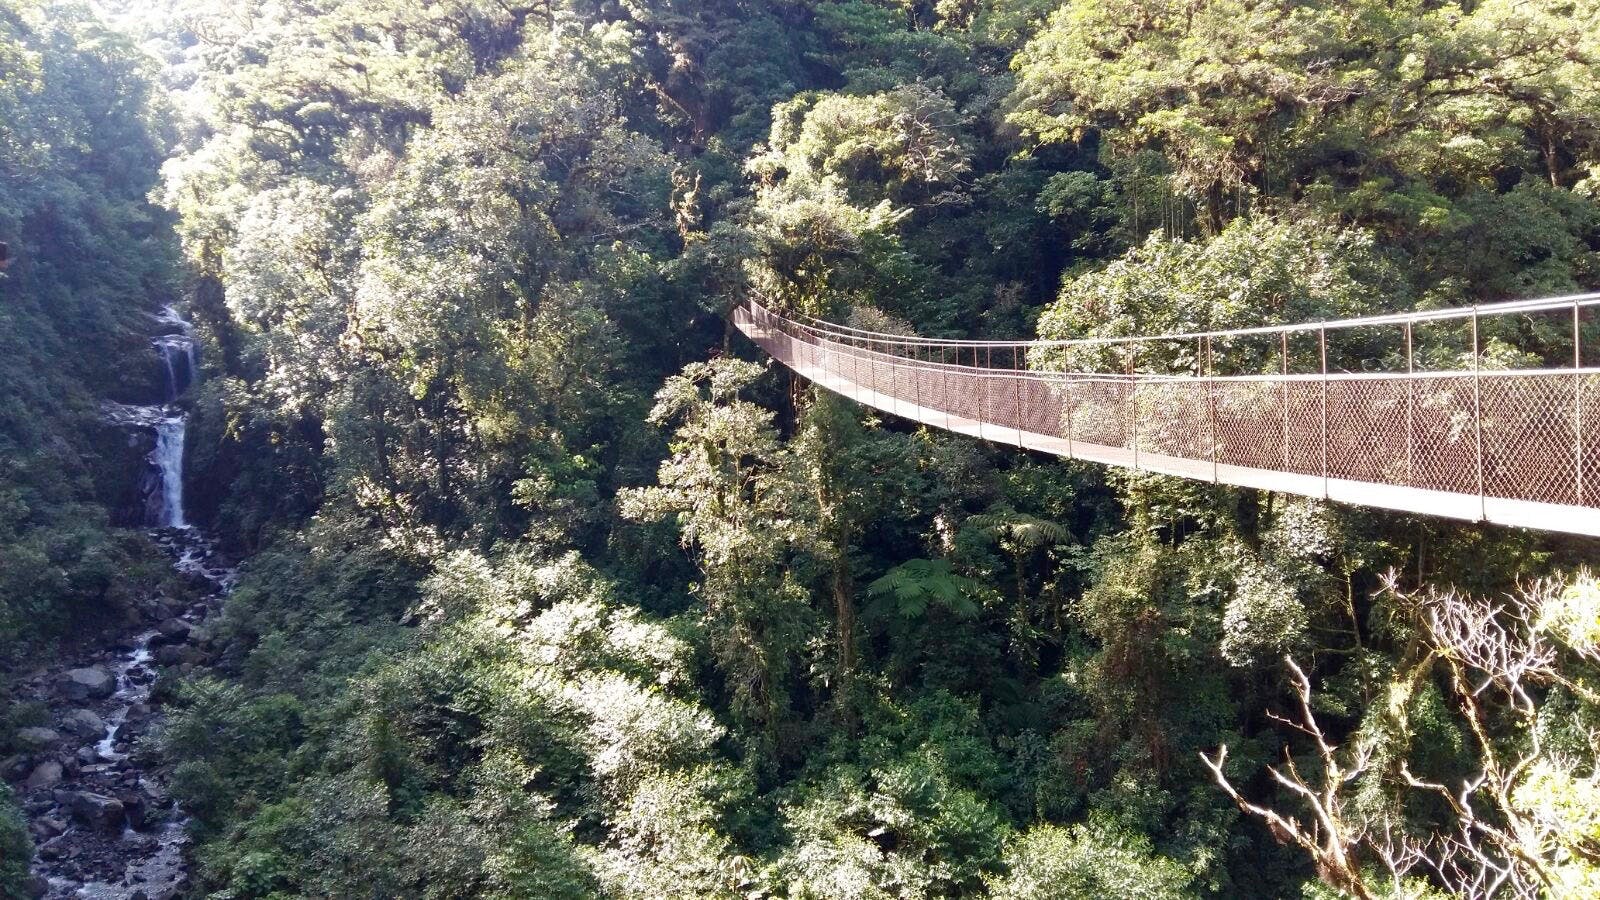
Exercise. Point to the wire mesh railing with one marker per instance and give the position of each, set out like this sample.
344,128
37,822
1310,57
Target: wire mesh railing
1493,435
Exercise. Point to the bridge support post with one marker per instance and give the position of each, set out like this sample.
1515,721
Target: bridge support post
1322,349
916,379
1411,411
987,406
1211,408
1283,342
1016,366
1132,410
1477,417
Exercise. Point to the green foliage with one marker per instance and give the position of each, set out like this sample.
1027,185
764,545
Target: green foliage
741,514
86,258
897,830
1390,112
511,628
15,847
1082,863
1259,271
914,585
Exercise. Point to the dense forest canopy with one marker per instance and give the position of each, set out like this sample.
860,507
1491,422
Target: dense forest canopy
555,587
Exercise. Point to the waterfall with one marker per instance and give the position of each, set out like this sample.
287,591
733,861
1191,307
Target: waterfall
164,506
162,483
177,357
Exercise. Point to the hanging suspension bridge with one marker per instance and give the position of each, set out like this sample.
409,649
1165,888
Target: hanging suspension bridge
1419,412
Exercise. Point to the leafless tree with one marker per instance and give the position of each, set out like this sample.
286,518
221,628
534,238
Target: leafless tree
1500,659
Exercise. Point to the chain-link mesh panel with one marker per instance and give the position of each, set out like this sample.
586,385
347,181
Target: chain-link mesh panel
1530,437
1100,412
1174,418
1588,439
1044,407
1251,426
1443,445
1363,444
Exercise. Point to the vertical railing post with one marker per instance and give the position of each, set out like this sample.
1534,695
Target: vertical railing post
1211,407
1477,415
1411,410
875,363
1283,402
944,370
1322,349
1069,388
916,379
988,369
1577,401
1132,410
1016,366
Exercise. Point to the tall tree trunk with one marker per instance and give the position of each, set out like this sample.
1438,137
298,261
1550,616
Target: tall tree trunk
844,606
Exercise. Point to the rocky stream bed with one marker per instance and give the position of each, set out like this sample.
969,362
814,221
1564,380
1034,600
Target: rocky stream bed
99,810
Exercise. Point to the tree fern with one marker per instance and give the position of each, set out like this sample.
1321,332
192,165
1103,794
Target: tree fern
911,587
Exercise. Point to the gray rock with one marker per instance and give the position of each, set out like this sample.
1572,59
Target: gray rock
45,775
16,767
171,655
155,794
102,813
37,738
92,683
133,807
172,631
83,723
35,886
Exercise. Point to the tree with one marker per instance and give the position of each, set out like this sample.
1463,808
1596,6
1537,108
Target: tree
1516,826
741,514
1282,100
1081,863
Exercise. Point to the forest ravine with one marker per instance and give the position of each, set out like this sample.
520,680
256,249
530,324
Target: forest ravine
389,509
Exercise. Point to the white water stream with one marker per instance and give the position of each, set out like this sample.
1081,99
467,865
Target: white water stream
155,865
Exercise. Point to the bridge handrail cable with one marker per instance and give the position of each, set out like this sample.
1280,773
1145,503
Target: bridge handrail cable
1508,307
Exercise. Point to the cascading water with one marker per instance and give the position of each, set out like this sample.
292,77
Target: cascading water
162,483
177,357
164,504
105,824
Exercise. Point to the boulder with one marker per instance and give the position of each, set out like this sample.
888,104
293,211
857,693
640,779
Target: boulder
84,724
45,775
133,807
171,655
37,738
91,683
15,768
155,794
35,886
99,812
172,631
